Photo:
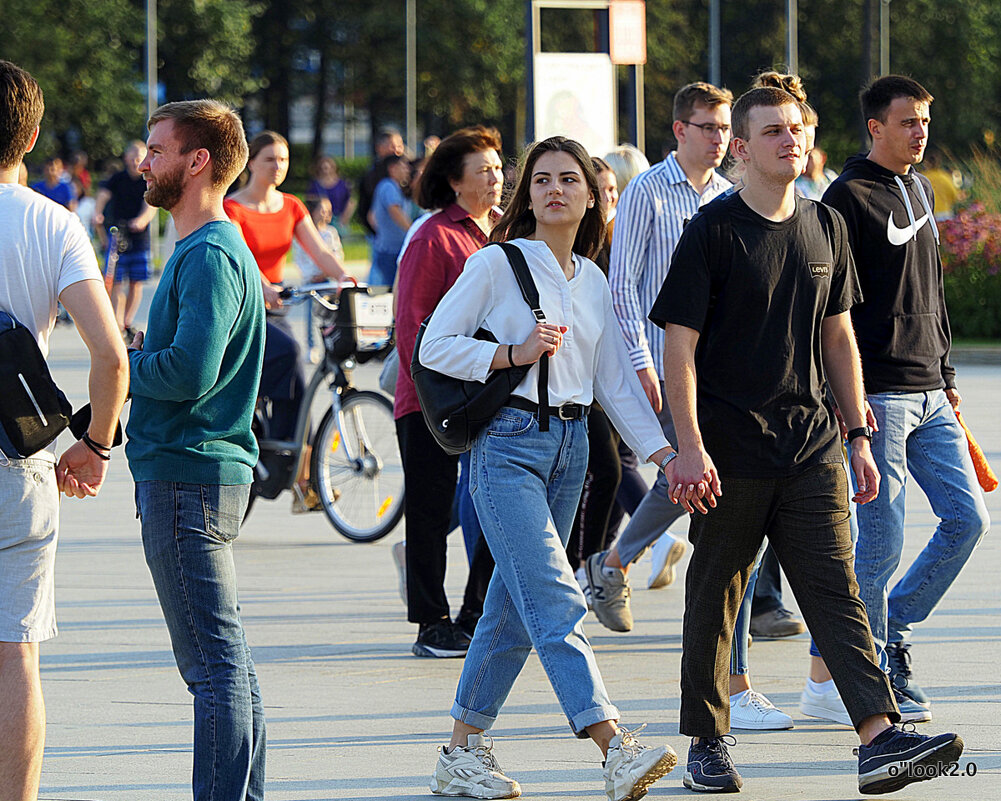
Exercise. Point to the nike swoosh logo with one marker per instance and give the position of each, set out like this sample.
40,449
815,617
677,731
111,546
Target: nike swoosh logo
899,236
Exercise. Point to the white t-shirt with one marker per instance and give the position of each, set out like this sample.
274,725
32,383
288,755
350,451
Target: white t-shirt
43,249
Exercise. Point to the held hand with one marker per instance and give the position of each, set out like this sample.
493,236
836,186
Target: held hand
870,418
954,398
545,338
80,472
137,341
692,481
272,299
651,386
865,471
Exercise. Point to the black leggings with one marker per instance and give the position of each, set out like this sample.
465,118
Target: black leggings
283,382
604,472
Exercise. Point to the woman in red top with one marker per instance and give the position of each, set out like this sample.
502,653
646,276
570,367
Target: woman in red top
269,220
463,178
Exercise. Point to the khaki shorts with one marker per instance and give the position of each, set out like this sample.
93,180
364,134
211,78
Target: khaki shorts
29,517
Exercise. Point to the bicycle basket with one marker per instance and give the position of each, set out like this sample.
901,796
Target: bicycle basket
362,325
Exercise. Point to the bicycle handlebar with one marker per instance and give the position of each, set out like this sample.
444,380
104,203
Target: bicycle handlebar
297,294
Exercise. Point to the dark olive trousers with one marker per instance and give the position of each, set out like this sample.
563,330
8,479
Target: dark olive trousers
806,517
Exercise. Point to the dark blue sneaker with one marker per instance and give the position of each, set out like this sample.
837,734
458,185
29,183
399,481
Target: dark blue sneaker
898,657
897,758
710,769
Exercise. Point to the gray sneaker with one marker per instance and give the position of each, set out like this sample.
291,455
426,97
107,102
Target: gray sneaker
609,593
472,772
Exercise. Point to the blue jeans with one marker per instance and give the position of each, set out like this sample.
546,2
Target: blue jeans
187,533
383,271
525,485
918,434
472,534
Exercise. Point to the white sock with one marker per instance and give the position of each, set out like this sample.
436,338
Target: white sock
820,686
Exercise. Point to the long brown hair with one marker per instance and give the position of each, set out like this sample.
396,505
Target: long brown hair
518,220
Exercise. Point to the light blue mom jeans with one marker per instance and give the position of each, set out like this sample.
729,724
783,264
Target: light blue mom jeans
525,485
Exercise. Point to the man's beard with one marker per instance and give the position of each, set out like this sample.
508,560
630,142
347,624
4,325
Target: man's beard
166,191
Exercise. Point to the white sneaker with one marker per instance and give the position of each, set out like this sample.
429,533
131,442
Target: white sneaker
751,710
825,705
581,576
400,558
472,771
665,554
630,768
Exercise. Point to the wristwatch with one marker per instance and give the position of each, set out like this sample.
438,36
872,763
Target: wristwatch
862,431
667,460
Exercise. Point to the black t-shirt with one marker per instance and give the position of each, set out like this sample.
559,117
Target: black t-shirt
126,203
758,297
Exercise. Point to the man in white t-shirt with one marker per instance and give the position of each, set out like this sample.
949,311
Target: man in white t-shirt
45,257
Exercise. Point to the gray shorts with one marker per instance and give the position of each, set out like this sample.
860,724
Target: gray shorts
29,500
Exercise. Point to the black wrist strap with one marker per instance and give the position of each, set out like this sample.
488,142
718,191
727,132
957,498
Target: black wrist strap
103,452
862,431
510,358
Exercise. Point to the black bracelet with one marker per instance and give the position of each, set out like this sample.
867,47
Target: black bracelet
510,358
96,448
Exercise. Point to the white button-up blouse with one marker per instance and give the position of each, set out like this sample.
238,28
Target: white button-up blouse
592,363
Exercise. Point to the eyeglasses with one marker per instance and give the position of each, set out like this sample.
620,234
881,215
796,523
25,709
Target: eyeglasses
710,129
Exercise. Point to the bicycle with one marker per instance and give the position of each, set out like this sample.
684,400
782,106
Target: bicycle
355,466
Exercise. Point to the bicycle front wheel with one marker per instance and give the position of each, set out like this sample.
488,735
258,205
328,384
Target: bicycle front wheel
357,468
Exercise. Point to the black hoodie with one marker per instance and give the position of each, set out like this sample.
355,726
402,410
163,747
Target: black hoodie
902,325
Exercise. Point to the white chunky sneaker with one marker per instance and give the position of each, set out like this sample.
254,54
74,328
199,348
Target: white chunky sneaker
825,705
751,710
630,767
665,554
472,772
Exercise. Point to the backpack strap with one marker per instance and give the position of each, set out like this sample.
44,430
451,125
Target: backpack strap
531,295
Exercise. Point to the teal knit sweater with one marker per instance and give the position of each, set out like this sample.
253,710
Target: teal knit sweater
194,384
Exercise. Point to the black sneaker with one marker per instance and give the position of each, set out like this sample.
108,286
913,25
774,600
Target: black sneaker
898,757
710,769
442,640
466,623
898,655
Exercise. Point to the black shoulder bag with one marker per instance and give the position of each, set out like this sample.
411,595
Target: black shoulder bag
455,410
33,411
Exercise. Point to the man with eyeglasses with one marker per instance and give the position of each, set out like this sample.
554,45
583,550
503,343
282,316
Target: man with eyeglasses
649,219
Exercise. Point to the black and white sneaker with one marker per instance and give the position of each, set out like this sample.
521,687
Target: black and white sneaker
442,640
710,769
898,757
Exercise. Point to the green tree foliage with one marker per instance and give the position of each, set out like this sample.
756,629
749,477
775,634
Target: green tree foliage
205,48
87,57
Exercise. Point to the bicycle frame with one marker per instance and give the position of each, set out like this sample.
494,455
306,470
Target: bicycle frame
328,368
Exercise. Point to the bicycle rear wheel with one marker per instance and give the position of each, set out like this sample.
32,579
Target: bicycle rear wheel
357,468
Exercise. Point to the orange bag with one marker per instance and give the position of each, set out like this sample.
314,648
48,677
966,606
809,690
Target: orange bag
985,475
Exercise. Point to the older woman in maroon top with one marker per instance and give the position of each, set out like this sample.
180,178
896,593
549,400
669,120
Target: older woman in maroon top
463,178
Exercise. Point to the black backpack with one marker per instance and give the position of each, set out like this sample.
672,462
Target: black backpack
455,410
33,411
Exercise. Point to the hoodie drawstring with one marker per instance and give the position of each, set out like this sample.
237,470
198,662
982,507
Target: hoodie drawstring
910,208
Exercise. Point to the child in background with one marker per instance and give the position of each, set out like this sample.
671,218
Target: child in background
322,213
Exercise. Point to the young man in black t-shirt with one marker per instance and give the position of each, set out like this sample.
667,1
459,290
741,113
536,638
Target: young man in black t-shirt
756,310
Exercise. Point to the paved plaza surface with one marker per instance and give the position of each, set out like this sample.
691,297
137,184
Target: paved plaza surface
352,715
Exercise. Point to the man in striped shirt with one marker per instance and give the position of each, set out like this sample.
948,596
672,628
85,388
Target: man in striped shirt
649,219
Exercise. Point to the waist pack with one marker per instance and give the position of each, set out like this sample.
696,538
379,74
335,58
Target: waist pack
33,411
456,410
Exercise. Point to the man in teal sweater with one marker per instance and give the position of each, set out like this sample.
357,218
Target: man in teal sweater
191,450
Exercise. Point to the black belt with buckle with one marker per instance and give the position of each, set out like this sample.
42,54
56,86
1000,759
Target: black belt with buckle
568,411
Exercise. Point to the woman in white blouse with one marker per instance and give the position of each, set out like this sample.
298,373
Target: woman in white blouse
526,482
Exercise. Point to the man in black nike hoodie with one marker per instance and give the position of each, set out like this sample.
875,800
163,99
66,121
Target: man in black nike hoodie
903,334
